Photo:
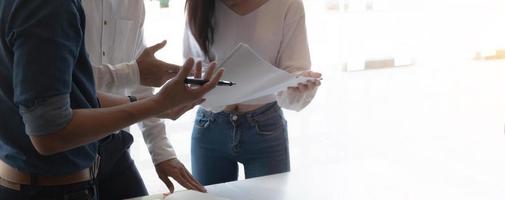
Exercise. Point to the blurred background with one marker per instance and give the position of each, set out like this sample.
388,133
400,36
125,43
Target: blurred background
413,91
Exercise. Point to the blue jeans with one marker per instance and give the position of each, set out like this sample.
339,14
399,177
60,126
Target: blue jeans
257,139
118,177
77,191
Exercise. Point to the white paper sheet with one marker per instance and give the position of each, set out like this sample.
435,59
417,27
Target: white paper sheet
183,195
254,77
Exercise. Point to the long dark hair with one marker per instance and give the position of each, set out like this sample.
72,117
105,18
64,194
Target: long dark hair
200,16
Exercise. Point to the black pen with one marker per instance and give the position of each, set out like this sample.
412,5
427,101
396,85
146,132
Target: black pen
201,82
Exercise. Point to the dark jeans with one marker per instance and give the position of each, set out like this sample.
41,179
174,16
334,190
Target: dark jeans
77,191
118,177
257,139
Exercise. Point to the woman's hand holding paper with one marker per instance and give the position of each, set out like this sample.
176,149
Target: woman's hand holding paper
310,84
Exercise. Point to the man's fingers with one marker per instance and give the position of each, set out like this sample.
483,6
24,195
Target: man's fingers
212,83
198,70
153,49
182,180
186,69
210,71
168,183
189,183
196,185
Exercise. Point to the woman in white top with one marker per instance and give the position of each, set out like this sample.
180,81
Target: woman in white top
254,132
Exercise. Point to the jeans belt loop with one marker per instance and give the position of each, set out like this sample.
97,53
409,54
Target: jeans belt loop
96,166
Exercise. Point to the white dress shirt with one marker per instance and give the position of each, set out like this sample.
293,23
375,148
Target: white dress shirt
114,39
276,31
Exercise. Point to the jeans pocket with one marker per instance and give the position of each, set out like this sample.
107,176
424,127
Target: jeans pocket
202,123
270,122
202,120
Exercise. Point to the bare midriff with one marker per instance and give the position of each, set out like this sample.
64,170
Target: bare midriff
242,108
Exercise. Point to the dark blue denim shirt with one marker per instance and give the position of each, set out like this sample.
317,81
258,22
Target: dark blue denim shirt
44,74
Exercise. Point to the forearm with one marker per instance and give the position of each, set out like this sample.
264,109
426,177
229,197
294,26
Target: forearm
90,125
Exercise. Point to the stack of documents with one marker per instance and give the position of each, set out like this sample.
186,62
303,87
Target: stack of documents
254,78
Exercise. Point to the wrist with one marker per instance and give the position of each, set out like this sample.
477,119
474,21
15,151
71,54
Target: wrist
156,164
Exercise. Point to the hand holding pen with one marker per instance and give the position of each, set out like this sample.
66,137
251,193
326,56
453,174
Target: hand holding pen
197,79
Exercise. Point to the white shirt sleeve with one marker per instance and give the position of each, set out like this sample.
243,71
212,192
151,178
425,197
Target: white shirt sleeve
154,133
158,145
157,141
116,79
294,56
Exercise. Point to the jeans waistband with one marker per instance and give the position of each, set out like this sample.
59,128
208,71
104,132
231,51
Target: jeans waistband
250,114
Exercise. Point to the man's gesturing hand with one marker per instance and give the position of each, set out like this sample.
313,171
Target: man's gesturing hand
154,72
175,169
175,113
176,93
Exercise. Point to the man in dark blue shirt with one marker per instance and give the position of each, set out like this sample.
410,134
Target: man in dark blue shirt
50,115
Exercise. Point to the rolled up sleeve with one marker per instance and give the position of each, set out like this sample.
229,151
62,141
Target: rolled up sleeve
47,116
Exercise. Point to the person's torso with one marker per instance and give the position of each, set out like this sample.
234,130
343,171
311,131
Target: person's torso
261,29
16,148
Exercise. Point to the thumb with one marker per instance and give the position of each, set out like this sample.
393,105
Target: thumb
153,49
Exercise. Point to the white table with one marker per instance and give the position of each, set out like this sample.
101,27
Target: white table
364,180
